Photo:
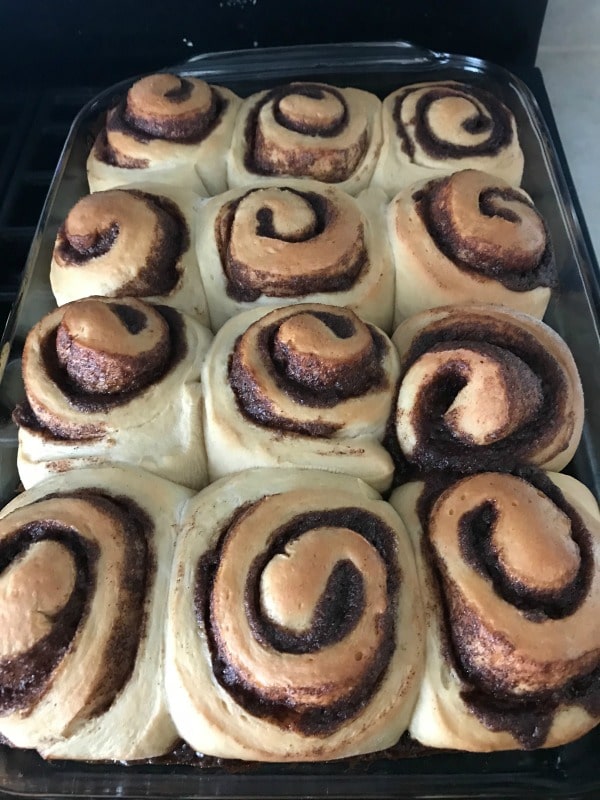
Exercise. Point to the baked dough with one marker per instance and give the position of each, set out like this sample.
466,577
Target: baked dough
113,381
434,129
295,241
295,627
86,563
168,129
306,130
509,568
137,241
307,386
483,387
469,237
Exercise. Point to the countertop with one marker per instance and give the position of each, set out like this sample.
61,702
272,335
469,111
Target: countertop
569,57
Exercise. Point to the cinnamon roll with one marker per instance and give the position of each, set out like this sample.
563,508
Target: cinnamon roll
509,567
307,386
295,628
306,130
168,129
434,129
84,569
113,381
467,237
298,240
131,242
483,388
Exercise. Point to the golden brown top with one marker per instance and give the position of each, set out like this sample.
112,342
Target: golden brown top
112,346
485,227
306,130
313,369
287,243
451,121
482,388
521,582
160,103
33,591
122,242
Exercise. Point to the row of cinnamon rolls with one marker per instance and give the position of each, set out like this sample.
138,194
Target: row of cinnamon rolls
443,241
181,131
311,385
293,615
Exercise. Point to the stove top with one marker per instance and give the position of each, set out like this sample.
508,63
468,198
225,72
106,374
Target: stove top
33,129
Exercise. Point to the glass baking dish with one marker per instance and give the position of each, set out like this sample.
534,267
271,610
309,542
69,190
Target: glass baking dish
378,67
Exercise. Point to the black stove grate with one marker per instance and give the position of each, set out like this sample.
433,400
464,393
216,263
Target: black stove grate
33,129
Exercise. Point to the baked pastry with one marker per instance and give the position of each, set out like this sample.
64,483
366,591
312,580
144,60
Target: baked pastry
484,388
295,240
306,130
306,386
509,568
295,628
469,237
85,563
113,381
434,129
167,129
131,242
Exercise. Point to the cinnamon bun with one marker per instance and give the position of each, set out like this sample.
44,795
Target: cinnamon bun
113,381
306,130
298,240
466,238
509,567
169,129
434,129
295,628
131,242
307,386
84,569
483,388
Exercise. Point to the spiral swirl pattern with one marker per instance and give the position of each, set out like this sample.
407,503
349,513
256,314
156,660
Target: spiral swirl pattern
100,377
129,243
98,354
84,569
433,129
469,235
310,384
331,258
274,245
485,388
60,559
164,126
307,130
307,661
516,569
165,107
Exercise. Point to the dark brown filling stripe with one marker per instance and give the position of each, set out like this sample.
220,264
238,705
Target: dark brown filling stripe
25,677
160,273
437,447
497,125
245,285
446,234
28,676
334,617
189,129
528,717
90,402
257,158
306,382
